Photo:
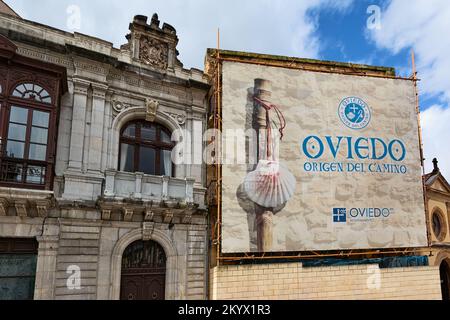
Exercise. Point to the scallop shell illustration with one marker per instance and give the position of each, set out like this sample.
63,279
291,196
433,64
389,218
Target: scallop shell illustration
270,185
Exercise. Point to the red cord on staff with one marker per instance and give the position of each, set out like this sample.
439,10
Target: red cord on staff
270,106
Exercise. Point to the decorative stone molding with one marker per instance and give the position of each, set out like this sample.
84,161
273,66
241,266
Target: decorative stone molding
181,119
92,68
187,219
119,106
128,214
168,216
147,230
106,214
4,206
80,86
151,107
164,212
22,200
42,207
99,91
153,52
22,207
149,214
45,56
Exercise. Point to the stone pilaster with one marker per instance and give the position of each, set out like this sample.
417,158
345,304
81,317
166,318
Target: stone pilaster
96,134
46,267
80,88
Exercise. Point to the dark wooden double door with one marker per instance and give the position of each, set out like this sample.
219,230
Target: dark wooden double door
143,272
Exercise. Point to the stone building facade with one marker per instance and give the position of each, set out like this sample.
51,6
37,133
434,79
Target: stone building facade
89,197
438,212
91,207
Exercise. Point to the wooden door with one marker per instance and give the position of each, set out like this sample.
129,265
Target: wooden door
143,272
445,280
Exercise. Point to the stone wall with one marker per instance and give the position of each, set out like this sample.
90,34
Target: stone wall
290,281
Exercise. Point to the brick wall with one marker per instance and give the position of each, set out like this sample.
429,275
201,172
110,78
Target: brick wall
291,281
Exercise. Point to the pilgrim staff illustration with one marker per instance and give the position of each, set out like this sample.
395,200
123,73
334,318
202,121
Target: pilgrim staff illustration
271,185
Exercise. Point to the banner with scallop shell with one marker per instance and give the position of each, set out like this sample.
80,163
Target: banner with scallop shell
318,161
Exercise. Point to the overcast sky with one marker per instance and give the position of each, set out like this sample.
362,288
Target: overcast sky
324,29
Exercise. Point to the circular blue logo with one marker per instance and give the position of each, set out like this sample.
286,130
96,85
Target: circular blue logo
354,113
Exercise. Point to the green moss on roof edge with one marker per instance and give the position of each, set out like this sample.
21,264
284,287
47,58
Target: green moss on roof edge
388,71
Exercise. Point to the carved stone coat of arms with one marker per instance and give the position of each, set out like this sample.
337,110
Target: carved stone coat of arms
154,52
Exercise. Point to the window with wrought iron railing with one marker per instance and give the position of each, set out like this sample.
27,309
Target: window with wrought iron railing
27,117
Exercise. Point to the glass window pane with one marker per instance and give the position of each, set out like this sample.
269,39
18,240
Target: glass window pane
166,163
37,152
165,137
19,115
39,135
46,99
130,131
148,132
17,93
38,88
17,131
15,149
11,172
40,119
35,175
147,160
127,158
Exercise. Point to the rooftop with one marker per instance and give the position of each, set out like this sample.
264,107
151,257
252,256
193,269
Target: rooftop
302,63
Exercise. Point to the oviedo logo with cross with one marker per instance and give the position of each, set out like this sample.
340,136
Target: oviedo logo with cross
354,113
339,215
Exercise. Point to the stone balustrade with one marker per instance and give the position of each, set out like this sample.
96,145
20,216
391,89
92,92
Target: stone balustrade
138,186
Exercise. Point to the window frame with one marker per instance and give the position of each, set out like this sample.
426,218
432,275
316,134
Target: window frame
8,101
443,224
137,142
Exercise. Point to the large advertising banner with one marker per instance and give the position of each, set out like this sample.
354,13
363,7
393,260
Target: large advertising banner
318,161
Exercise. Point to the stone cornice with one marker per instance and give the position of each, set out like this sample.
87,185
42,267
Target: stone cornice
150,81
23,200
437,193
149,211
57,41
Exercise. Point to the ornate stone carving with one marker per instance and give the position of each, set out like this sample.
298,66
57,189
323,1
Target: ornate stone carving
153,52
187,219
106,214
128,214
168,216
42,207
147,230
119,106
151,107
149,214
181,119
4,205
21,207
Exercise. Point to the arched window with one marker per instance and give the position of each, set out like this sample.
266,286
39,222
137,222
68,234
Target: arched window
32,91
26,145
146,147
438,225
